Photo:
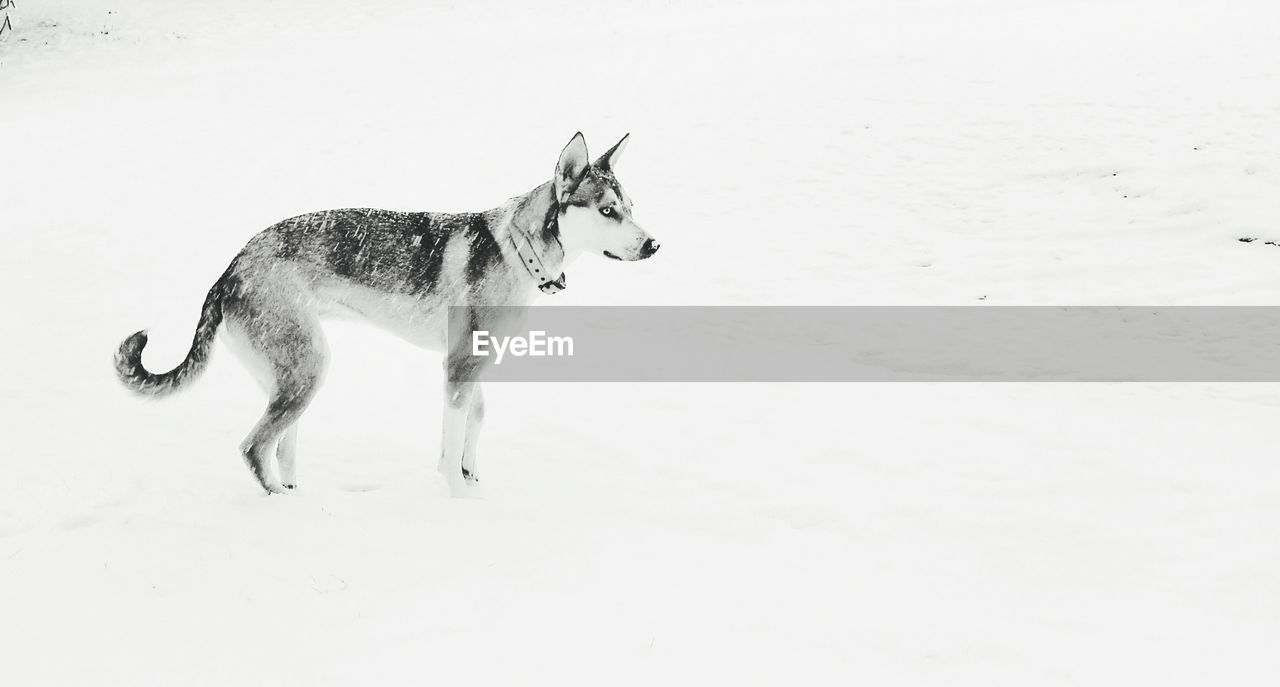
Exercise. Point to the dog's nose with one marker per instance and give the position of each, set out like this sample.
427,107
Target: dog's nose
649,248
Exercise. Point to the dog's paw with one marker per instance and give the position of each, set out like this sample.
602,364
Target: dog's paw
275,488
360,487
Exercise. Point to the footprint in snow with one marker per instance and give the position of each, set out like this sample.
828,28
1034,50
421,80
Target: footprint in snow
80,521
358,488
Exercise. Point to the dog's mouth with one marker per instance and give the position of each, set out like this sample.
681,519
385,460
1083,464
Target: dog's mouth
611,256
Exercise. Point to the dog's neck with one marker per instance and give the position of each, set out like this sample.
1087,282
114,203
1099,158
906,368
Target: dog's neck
533,238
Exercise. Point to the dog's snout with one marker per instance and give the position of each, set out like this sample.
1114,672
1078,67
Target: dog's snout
649,248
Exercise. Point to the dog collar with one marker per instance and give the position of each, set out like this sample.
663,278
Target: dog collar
532,262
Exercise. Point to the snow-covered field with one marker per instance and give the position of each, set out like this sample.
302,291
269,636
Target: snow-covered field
813,152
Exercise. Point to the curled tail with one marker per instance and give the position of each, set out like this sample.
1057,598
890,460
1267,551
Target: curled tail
129,356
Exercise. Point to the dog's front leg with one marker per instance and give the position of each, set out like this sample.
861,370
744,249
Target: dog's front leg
475,419
463,410
457,406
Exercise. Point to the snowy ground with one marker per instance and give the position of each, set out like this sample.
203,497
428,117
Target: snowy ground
837,152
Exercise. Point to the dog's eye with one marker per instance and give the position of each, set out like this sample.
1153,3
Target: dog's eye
607,212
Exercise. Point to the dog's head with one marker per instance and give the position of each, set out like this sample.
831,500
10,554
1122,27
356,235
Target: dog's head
595,213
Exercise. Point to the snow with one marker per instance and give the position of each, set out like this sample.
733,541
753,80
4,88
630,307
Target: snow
820,152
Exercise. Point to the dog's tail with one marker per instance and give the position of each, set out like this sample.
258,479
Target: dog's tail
128,359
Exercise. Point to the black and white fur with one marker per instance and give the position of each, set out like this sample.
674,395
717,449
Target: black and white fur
400,271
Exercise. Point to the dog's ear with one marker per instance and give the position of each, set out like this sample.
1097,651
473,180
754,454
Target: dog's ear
609,159
573,164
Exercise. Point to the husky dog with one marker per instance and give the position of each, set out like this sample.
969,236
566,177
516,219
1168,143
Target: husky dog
400,271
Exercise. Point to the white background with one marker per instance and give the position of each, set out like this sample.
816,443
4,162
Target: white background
919,152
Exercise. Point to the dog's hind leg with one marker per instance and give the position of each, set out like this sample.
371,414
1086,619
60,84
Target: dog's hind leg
475,419
295,388
285,349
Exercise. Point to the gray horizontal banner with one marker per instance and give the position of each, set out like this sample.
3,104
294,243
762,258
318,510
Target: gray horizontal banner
868,344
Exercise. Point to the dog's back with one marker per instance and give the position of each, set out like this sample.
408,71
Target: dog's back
392,252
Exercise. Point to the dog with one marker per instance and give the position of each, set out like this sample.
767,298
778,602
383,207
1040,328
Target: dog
400,271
